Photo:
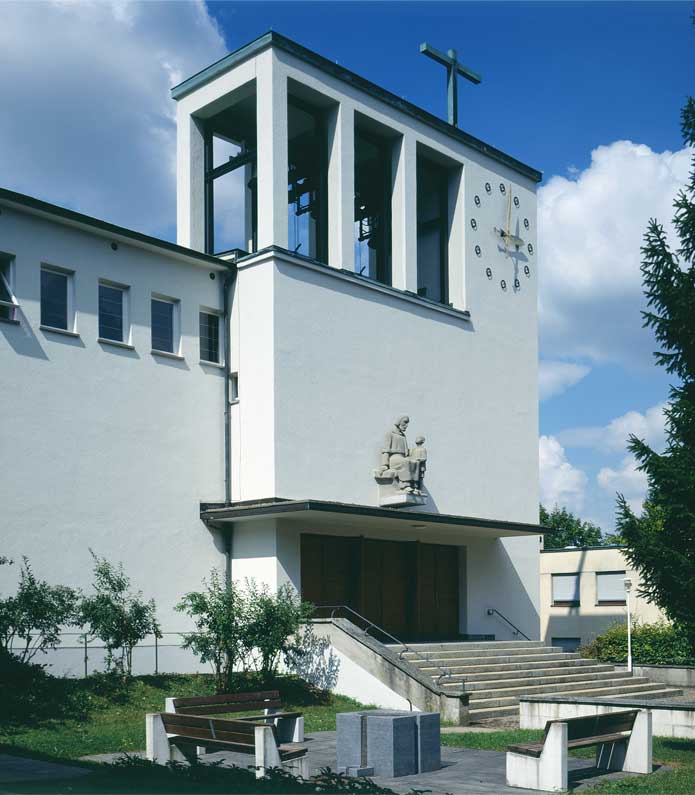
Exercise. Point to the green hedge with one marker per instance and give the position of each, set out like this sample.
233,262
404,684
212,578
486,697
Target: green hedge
652,644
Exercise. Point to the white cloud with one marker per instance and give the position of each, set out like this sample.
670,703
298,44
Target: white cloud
613,436
87,117
555,377
626,480
560,483
590,232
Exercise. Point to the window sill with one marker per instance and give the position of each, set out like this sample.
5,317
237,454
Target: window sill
616,603
168,355
62,331
10,321
233,401
565,604
116,343
205,363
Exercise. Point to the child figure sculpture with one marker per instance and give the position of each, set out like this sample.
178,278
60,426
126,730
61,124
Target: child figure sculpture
419,454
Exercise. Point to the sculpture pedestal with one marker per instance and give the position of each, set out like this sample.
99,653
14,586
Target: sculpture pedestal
390,495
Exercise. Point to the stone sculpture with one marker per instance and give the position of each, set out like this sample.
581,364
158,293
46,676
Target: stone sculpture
404,466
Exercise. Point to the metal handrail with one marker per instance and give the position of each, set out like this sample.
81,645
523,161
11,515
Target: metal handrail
492,610
444,672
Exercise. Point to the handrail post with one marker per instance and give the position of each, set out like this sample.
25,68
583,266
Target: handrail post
86,656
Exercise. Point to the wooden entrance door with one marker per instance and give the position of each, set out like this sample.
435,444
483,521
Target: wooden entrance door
439,591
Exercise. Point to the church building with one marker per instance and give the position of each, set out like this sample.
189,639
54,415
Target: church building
329,380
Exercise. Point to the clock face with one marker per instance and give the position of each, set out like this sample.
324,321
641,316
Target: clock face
507,253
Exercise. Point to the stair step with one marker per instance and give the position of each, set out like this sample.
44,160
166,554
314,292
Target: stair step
482,672
536,681
488,713
491,655
586,689
473,645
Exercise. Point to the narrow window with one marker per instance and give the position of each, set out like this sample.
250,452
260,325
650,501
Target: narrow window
234,387
8,303
565,590
432,231
210,337
610,588
112,305
373,206
55,309
163,323
307,180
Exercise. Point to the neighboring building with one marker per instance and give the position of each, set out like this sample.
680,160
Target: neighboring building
179,407
583,593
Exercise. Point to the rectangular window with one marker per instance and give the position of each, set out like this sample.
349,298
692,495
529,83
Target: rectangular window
432,231
610,588
164,336
112,312
566,644
234,387
210,337
566,590
55,299
8,302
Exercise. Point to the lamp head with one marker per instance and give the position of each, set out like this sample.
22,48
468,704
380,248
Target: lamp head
628,583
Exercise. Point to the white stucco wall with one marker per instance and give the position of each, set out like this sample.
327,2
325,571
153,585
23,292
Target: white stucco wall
590,618
105,447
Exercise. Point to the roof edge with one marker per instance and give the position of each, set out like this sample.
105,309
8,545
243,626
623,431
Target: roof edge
75,218
271,38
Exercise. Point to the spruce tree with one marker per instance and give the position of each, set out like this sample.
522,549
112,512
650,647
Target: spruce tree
661,542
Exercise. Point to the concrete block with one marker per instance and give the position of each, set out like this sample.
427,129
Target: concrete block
429,751
392,744
350,741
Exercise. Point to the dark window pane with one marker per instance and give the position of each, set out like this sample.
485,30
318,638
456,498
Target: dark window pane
6,312
209,337
162,326
54,299
432,231
110,313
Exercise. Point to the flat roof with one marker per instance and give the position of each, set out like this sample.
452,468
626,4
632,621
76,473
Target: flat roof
35,206
341,514
582,549
271,38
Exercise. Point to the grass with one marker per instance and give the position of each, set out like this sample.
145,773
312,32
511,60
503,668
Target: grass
79,717
676,754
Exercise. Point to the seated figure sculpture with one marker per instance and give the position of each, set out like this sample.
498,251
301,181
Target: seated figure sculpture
406,466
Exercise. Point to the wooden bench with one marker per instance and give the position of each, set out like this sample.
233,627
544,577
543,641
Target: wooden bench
177,737
623,740
289,725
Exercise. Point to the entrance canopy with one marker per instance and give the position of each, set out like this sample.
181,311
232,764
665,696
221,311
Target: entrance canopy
341,516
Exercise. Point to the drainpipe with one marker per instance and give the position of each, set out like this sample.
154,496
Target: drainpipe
229,533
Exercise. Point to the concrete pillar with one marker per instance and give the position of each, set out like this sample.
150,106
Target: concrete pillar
341,187
190,180
404,214
271,141
457,239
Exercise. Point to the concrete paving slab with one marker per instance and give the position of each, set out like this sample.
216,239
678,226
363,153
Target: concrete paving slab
21,768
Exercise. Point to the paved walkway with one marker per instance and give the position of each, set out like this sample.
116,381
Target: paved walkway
20,768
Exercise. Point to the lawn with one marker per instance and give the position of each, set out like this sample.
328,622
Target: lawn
71,718
678,754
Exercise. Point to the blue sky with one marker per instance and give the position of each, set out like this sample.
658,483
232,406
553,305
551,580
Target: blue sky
589,93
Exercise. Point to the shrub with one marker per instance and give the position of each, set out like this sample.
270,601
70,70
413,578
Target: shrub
652,644
31,620
272,625
118,617
219,614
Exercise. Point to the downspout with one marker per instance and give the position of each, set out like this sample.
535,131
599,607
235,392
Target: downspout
229,532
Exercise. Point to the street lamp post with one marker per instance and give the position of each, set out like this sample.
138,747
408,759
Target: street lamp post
628,588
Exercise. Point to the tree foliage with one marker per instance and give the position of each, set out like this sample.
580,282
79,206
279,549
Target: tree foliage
118,617
31,620
661,542
568,530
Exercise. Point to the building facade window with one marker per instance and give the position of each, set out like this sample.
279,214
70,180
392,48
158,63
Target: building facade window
165,336
56,299
113,306
610,587
565,590
210,337
566,644
234,387
432,231
8,303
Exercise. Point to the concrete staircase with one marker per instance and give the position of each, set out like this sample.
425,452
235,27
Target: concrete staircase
497,673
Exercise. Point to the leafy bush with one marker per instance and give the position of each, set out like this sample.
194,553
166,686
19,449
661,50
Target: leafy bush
652,644
30,621
272,625
219,614
119,618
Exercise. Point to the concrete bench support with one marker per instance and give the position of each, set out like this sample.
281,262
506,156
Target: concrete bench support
546,772
634,755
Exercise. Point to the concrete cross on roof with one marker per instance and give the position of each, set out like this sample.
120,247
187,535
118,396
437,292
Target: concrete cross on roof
453,68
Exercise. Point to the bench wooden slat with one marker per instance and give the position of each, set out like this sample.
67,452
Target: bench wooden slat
227,698
214,727
220,745
272,716
217,709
